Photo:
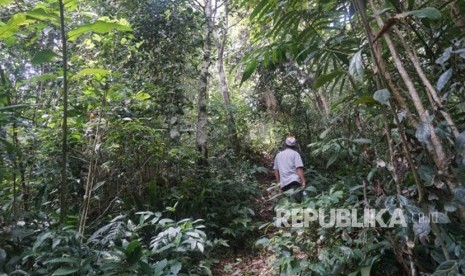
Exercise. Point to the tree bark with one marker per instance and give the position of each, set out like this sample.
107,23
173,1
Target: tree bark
436,102
376,53
434,145
220,45
202,101
322,102
64,147
93,170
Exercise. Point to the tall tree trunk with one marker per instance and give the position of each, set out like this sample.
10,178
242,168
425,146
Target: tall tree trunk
322,102
64,147
434,145
435,100
202,119
220,45
91,175
381,68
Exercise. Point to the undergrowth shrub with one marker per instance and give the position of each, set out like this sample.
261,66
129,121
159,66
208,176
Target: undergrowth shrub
317,250
149,245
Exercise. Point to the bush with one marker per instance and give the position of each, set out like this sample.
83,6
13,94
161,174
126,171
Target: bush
152,246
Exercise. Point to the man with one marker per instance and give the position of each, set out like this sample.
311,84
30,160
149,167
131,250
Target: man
288,167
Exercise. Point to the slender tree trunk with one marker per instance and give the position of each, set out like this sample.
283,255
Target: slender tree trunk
434,145
376,53
322,102
392,158
90,181
436,102
220,45
64,147
202,120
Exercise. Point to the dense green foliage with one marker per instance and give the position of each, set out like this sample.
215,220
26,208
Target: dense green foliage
373,91
372,156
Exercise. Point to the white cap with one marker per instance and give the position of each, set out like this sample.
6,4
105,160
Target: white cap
290,141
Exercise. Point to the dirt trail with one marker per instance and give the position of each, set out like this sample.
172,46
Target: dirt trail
254,261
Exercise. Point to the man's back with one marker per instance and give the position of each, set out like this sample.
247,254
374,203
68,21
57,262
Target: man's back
287,162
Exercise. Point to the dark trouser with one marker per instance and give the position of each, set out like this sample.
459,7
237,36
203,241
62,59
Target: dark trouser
296,197
292,185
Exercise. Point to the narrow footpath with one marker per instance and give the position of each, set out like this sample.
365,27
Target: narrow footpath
253,260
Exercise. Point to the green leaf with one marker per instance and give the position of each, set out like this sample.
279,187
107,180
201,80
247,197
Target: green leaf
91,71
446,267
426,174
459,194
382,96
445,56
174,269
450,206
43,15
142,96
444,79
9,146
422,227
69,260
365,271
346,250
259,8
44,77
65,271
132,246
159,266
200,247
403,201
423,133
70,5
324,133
98,185
429,12
263,242
332,159
16,21
5,2
362,141
43,57
133,251
356,66
99,26
365,100
439,217
323,79
40,240
249,70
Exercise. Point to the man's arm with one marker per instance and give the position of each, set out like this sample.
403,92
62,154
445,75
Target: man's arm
276,175
300,172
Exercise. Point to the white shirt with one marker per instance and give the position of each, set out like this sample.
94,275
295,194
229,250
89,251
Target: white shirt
287,162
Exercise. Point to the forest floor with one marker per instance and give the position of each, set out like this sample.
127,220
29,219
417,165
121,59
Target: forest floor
252,260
